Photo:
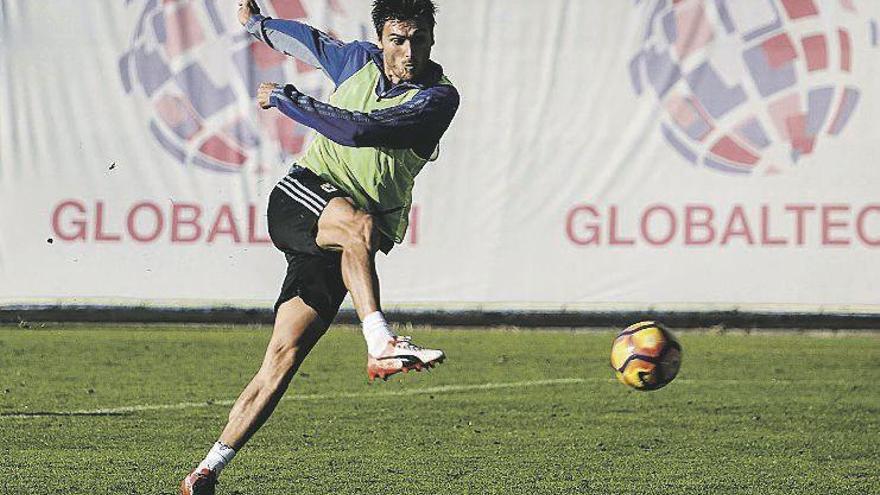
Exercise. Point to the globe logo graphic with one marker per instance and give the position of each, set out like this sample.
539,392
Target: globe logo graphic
199,70
749,87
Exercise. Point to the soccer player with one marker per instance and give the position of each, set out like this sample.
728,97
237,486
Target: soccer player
349,196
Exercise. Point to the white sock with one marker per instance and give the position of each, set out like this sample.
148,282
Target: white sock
218,457
376,333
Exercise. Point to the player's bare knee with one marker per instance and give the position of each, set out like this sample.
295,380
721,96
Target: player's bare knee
280,363
284,357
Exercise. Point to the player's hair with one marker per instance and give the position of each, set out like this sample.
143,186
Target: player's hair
419,11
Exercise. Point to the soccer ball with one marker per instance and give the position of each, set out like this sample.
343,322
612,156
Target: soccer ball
645,356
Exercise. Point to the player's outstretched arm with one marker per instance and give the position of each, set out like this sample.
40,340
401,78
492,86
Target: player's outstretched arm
297,40
410,125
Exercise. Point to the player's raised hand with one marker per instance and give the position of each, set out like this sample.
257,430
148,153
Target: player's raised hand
264,92
246,10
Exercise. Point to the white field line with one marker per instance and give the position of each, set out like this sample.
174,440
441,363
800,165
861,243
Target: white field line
306,397
399,393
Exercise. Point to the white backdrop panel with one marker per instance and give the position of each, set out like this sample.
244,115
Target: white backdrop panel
606,153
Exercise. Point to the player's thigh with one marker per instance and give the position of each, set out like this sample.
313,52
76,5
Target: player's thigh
316,282
340,221
297,328
295,206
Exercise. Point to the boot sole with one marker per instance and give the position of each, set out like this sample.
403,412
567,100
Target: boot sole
418,367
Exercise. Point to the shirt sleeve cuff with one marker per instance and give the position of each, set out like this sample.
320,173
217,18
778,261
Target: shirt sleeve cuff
281,92
255,25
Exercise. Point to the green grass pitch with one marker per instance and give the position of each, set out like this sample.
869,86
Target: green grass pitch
93,410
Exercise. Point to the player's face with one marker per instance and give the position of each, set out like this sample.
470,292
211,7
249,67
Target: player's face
407,48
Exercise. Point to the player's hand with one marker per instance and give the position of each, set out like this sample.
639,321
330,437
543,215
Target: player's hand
246,10
264,92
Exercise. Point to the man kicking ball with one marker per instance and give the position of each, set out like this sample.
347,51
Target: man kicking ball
347,197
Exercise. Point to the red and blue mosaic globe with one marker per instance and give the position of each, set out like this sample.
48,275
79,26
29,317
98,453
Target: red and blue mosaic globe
753,86
199,71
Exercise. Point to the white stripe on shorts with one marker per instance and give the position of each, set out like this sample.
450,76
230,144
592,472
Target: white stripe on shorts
302,191
295,195
306,193
319,199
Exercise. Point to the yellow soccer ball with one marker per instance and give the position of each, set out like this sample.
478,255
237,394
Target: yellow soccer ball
645,356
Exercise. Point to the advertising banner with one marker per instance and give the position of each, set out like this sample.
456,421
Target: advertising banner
643,154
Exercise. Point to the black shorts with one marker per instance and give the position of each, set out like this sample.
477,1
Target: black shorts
313,274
